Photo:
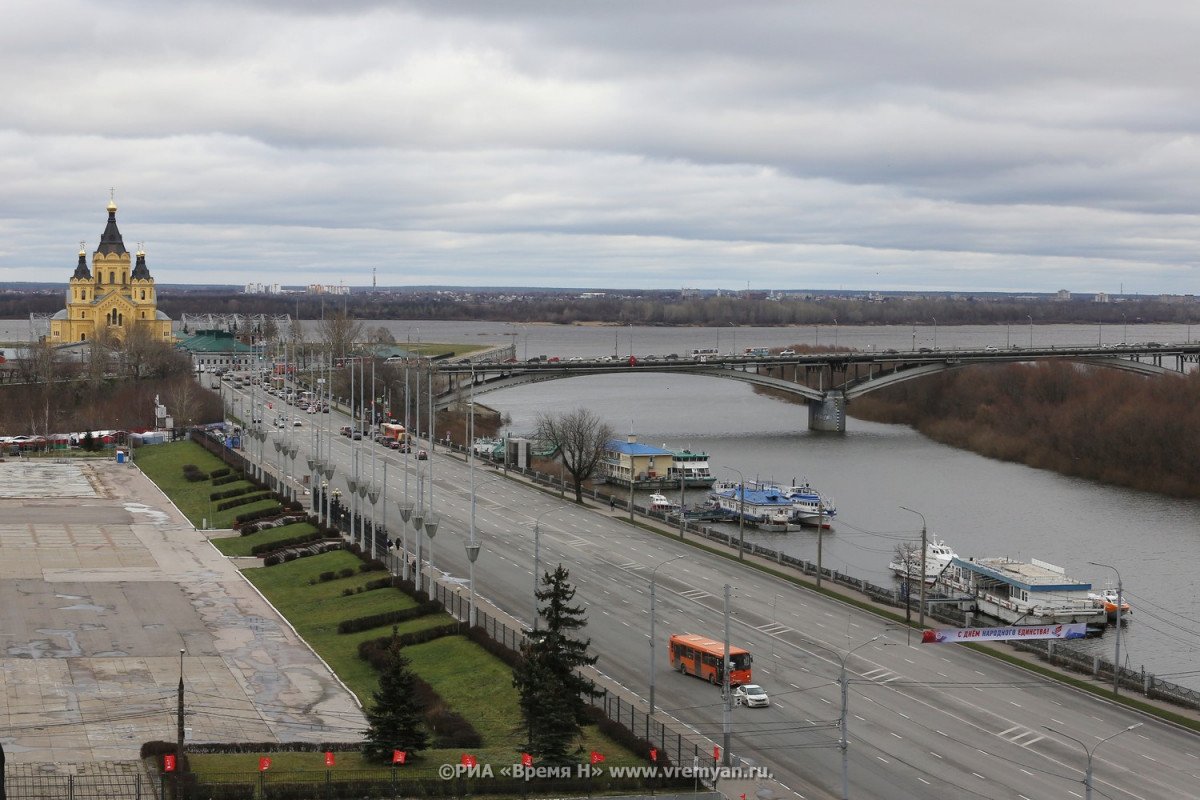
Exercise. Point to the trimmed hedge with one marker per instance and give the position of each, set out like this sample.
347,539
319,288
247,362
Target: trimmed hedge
263,513
224,479
479,636
387,618
279,520
233,492
292,555
244,500
375,651
220,473
283,544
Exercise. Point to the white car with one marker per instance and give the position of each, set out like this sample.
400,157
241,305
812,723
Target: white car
751,694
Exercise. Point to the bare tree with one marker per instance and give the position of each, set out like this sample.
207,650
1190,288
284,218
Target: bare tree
581,438
908,554
339,332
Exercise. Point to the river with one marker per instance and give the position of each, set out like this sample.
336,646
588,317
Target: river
979,506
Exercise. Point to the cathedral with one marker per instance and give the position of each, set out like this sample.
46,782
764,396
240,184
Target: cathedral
110,299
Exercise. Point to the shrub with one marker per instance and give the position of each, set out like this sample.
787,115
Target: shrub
348,572
232,492
381,583
372,566
387,618
244,500
282,544
250,516
326,576
224,479
220,473
193,473
375,651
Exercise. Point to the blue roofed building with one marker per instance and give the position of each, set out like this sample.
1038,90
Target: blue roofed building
630,460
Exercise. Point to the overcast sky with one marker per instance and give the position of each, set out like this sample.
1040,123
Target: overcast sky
1016,146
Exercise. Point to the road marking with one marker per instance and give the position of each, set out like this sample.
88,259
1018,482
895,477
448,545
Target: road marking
860,719
1018,705
944,675
1027,772
1057,721
935,755
898,736
884,760
977,775
826,702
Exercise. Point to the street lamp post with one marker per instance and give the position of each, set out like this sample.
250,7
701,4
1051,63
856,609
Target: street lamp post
741,512
1117,655
924,540
1124,329
653,643
1089,752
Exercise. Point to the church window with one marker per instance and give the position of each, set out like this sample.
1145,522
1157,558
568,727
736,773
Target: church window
112,277
143,315
143,296
83,337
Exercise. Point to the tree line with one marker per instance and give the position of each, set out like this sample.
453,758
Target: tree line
667,308
1089,422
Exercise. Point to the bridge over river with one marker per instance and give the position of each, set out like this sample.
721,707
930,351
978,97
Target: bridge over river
828,381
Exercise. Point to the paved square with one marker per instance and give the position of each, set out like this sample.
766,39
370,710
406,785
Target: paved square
102,583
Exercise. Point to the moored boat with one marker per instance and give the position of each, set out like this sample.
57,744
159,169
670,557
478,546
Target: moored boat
661,505
1107,599
809,507
757,507
691,468
938,556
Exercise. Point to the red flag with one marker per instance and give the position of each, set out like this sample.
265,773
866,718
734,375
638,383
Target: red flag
526,760
654,755
469,760
399,756
264,764
329,758
168,763
716,752
597,757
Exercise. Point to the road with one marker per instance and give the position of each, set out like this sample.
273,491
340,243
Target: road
924,721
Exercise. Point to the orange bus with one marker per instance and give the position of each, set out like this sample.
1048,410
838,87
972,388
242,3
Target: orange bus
393,431
701,656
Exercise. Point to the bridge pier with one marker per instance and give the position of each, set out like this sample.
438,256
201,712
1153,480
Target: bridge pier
828,414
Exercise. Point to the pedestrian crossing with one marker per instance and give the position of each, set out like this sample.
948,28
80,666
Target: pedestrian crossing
1021,736
881,675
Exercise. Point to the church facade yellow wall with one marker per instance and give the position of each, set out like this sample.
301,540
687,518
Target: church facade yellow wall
111,299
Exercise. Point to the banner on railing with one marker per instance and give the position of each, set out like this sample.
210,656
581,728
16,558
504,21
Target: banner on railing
1074,630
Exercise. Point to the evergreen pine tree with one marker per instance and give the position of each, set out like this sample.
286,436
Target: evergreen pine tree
396,718
553,695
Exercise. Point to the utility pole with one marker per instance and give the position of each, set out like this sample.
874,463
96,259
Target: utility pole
179,734
727,715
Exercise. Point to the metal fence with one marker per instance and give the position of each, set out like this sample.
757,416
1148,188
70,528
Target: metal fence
102,781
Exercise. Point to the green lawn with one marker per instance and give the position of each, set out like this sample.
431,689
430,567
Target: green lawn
473,682
241,545
316,610
163,463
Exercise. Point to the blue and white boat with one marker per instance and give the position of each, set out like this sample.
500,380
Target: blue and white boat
809,507
763,507
775,508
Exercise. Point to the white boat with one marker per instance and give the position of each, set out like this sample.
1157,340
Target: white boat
809,507
661,505
938,556
1107,599
1020,593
